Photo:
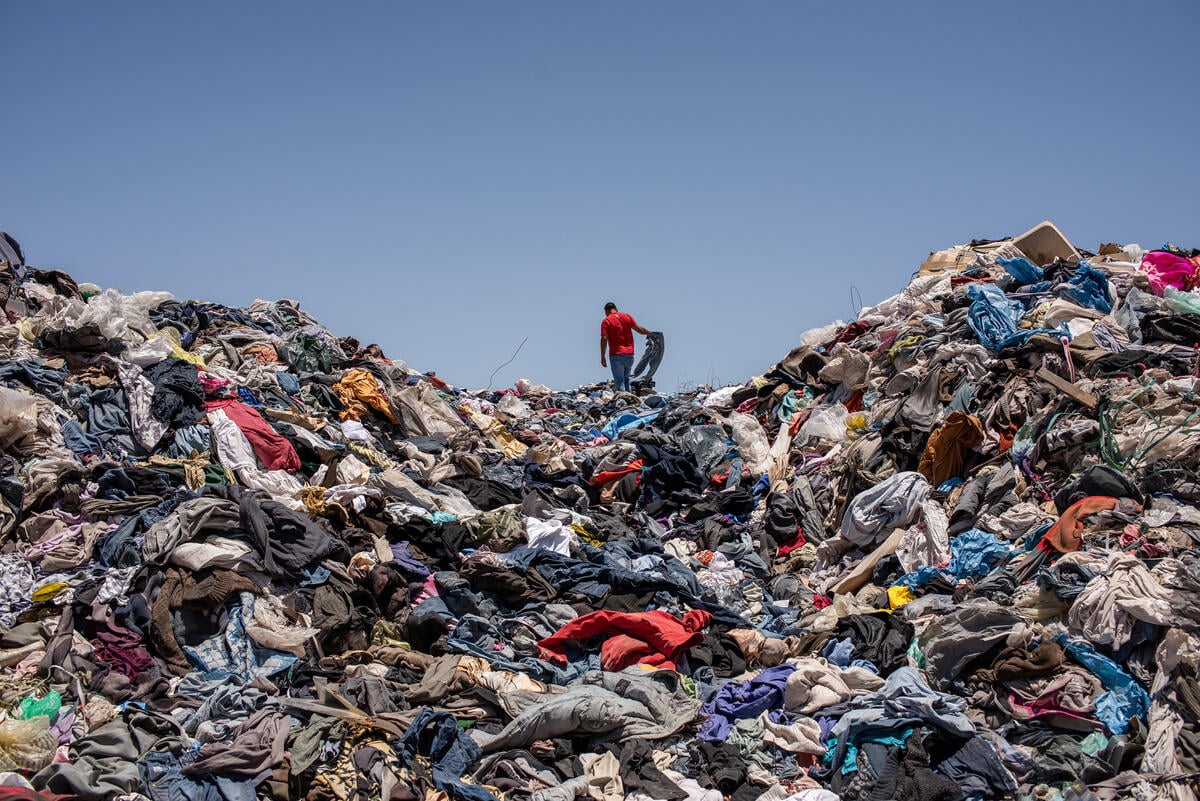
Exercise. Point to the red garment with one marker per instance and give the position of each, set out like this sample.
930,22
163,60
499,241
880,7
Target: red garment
618,327
650,638
799,542
25,794
273,450
748,406
852,331
600,479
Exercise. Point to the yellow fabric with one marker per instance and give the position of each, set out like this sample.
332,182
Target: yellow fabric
587,536
899,595
359,392
193,467
500,435
177,350
48,591
316,505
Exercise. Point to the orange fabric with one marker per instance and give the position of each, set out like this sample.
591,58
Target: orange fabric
946,451
359,392
1066,535
600,479
264,353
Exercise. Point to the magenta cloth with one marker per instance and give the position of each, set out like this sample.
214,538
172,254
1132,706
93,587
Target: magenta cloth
273,450
1167,269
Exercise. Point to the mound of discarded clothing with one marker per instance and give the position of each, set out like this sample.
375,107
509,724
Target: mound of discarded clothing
947,550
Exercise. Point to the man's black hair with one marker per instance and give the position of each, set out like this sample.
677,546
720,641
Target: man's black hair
610,306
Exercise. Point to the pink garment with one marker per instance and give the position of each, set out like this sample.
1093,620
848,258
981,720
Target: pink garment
1167,269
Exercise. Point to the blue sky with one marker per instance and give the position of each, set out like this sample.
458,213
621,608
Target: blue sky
447,179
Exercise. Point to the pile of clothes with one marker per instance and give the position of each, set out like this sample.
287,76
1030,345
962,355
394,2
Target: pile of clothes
948,550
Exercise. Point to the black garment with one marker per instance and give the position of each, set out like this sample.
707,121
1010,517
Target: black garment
796,508
1135,359
802,364
1098,479
719,652
977,769
10,251
1183,329
880,638
84,339
907,776
1057,757
511,587
738,502
993,494
115,482
484,493
640,774
287,540
720,766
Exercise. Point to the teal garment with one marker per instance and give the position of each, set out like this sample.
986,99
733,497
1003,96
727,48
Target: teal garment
788,406
888,737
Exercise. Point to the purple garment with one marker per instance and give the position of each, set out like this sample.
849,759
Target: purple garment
746,699
118,647
404,558
826,724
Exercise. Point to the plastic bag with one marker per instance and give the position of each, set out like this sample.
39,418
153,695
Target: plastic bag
707,445
826,422
1182,302
47,706
514,407
150,352
751,442
26,744
18,416
819,336
116,314
1023,270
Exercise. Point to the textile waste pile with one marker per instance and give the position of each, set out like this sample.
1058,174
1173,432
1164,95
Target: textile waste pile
948,550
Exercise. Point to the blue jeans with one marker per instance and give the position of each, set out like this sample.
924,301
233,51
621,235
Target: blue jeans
622,366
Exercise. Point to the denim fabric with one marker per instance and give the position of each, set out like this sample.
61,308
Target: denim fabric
79,441
622,367
163,781
437,737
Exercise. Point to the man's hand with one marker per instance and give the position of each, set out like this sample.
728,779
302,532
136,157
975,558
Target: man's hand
603,362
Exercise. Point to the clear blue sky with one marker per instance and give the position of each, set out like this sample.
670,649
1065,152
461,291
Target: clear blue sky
449,178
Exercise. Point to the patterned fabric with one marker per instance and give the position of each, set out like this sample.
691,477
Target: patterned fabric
233,652
16,585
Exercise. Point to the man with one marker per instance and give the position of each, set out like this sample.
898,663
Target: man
616,342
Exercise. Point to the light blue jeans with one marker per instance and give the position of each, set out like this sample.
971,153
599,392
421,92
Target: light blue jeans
622,366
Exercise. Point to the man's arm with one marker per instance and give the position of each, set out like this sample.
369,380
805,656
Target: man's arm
603,350
643,331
